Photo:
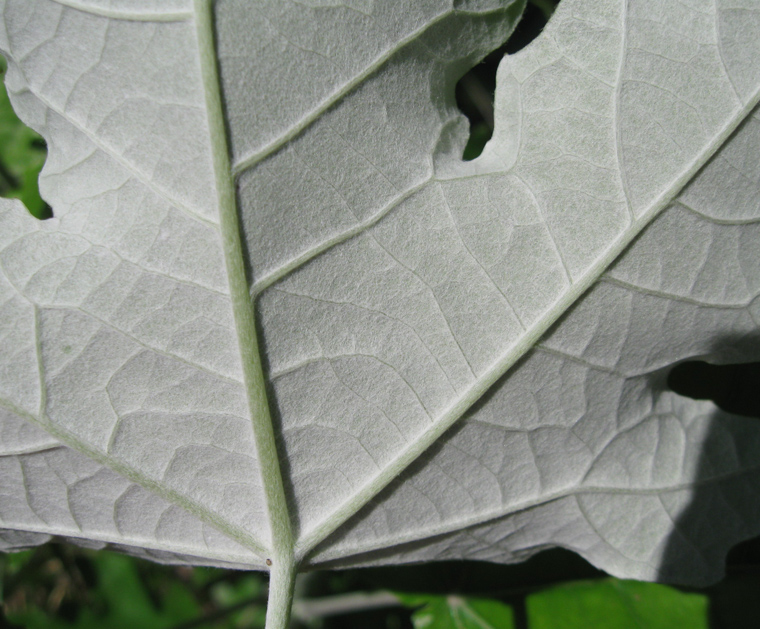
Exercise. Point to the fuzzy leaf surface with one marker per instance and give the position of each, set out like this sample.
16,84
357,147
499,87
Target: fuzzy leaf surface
275,312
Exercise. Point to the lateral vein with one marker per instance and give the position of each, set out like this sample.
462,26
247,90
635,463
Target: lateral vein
500,367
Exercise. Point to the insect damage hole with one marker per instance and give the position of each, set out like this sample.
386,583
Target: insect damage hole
475,90
22,155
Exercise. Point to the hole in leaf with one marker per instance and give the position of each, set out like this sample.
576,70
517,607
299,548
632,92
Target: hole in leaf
22,156
733,388
475,90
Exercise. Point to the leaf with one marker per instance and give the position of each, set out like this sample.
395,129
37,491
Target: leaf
119,600
601,603
277,320
456,612
615,604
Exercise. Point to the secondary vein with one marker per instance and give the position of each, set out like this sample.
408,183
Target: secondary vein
330,101
505,362
132,16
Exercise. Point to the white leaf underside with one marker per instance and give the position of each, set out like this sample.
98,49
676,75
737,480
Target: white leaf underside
461,360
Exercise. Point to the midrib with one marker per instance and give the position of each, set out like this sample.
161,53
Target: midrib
245,324
283,541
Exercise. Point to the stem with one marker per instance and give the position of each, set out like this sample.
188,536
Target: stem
282,575
282,579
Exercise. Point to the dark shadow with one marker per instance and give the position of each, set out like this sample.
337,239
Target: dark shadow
734,388
510,584
475,90
725,508
720,515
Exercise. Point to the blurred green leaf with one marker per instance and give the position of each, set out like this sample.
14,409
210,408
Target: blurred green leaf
128,601
616,604
22,156
457,612
13,562
120,601
479,135
242,595
65,587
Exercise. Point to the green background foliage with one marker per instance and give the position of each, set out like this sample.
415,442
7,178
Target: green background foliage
22,155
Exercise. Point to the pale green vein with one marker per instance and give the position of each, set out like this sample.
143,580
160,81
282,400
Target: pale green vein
130,168
199,511
37,449
618,130
470,396
43,421
492,516
140,543
661,294
263,431
308,255
132,16
714,220
306,121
